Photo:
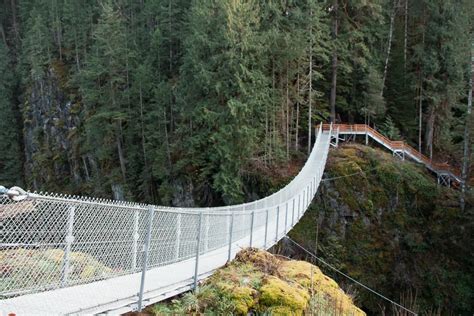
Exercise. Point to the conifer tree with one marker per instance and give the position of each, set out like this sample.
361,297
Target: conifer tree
105,91
11,162
224,88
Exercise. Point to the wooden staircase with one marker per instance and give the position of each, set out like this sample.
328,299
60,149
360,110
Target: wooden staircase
446,174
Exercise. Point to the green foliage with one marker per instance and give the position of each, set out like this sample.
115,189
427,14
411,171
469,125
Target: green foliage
390,130
10,154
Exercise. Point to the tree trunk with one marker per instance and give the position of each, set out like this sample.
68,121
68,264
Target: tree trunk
405,43
142,123
420,115
420,106
430,131
3,35
332,100
76,49
389,45
267,137
167,142
310,79
287,117
120,154
467,140
14,22
297,112
59,32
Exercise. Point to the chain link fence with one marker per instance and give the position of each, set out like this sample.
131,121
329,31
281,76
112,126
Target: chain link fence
50,241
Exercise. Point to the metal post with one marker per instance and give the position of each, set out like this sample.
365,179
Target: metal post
198,245
299,205
266,229
251,228
307,198
230,236
302,204
227,219
178,237
277,222
293,213
145,258
206,234
69,240
286,218
135,239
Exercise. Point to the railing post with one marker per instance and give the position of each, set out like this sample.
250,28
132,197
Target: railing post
307,198
251,228
206,234
302,204
231,231
135,239
198,249
299,205
293,213
277,222
286,217
145,258
69,240
178,237
266,229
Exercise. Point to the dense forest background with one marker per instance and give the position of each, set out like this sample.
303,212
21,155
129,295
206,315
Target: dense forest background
188,102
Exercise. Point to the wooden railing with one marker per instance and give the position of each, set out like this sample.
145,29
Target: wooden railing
395,145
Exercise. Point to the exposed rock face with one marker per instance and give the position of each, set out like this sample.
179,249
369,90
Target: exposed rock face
390,226
257,282
50,127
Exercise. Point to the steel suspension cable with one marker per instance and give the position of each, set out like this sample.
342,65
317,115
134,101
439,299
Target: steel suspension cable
348,277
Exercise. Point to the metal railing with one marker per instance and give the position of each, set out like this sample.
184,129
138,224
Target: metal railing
51,241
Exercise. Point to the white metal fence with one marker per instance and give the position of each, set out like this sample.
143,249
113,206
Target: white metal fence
50,241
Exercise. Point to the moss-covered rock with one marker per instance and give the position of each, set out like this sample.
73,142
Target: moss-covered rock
277,292
259,282
16,266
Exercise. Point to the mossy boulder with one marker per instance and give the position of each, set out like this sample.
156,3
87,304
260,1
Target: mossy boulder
258,282
277,292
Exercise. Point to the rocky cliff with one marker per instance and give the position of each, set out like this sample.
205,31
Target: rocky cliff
387,223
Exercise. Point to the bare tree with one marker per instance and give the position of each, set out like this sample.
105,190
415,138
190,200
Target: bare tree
467,141
332,100
389,44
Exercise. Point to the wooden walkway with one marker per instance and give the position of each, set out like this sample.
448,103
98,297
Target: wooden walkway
446,174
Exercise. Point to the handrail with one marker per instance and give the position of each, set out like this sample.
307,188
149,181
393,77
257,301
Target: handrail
395,145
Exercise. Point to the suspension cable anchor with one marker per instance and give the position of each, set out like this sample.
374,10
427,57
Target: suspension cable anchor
14,193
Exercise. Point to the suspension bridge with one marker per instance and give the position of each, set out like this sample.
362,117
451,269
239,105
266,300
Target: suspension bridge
63,254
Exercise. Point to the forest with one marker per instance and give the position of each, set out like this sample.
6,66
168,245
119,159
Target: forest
187,102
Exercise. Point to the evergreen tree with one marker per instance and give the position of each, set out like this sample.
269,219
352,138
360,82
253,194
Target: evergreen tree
224,88
105,92
11,162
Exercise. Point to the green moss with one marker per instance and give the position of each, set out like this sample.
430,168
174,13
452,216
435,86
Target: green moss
276,292
16,264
